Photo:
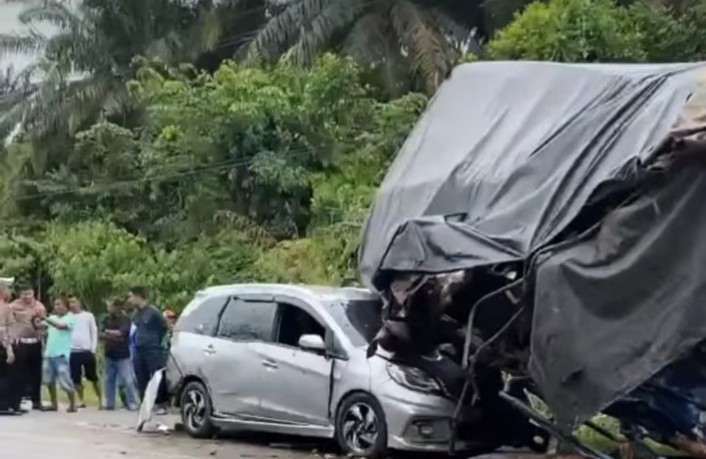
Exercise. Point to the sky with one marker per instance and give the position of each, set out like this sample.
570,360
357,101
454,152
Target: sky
9,9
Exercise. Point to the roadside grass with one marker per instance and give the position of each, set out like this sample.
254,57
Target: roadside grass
597,441
90,396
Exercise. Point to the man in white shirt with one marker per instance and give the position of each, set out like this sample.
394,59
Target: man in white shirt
84,341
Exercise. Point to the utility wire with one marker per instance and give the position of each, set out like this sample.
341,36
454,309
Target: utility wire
216,167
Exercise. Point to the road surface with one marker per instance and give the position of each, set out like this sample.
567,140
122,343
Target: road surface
91,434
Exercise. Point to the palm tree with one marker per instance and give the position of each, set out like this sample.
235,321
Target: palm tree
86,61
420,38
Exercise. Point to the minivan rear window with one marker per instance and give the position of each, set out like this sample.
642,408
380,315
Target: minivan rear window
201,316
248,320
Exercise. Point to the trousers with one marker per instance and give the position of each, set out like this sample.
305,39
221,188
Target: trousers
147,362
119,373
10,384
29,363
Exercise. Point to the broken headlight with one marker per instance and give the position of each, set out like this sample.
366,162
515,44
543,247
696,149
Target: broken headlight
413,379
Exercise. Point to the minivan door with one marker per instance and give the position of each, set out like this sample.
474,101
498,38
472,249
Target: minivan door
305,374
234,368
193,338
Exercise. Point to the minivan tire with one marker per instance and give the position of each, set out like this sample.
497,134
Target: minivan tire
196,410
361,428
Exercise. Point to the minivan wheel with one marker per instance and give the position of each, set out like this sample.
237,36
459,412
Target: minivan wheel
196,411
361,429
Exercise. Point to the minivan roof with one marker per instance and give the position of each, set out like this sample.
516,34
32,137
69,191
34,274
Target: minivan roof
319,291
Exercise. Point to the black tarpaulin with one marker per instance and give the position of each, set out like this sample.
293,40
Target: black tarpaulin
613,310
504,158
507,154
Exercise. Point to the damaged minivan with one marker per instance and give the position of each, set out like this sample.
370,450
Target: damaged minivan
539,238
293,360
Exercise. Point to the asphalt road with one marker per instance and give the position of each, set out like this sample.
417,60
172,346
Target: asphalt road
91,434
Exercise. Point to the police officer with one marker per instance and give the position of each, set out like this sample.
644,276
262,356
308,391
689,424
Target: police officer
10,381
28,313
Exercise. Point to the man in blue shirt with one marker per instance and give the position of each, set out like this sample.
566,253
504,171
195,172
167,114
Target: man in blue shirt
150,329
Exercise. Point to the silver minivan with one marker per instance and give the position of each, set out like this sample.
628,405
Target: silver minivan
292,360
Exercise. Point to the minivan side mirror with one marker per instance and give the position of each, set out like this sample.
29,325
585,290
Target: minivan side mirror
312,343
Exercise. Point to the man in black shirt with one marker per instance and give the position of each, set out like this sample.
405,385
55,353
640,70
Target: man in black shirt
115,332
150,328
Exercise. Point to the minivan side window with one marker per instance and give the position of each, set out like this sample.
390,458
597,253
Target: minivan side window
203,319
247,320
294,323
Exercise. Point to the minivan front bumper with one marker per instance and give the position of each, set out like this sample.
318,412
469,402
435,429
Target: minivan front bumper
419,422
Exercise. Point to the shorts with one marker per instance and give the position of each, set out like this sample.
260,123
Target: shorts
83,365
56,371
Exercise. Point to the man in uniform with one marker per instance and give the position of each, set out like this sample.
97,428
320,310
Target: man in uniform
10,390
28,313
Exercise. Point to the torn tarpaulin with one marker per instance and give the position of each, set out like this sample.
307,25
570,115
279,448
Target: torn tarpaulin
614,309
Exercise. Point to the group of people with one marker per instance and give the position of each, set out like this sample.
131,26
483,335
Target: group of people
60,349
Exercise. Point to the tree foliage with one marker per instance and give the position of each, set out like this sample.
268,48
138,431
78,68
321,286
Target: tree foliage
603,31
98,260
184,175
569,31
86,58
397,38
239,175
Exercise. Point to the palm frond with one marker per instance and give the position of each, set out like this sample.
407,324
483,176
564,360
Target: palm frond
317,34
372,43
462,36
74,104
209,30
426,45
11,118
86,101
58,14
363,40
11,44
283,30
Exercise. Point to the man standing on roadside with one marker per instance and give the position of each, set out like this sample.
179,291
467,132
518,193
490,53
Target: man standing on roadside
118,366
84,342
57,352
10,389
150,328
28,313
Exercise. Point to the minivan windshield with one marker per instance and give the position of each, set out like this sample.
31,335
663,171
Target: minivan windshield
359,319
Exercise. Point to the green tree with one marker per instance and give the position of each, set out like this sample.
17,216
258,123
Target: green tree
97,260
603,31
247,140
398,38
669,33
569,31
86,58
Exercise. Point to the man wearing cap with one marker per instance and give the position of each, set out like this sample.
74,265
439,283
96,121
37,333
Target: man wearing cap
10,390
28,313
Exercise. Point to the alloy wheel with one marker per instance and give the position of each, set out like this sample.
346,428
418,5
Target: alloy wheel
360,428
194,409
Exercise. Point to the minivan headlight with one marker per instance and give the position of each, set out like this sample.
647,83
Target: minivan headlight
413,378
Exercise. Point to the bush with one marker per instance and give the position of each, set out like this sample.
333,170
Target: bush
96,260
570,31
604,31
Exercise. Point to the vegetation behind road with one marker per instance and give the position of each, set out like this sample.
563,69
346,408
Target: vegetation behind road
182,144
